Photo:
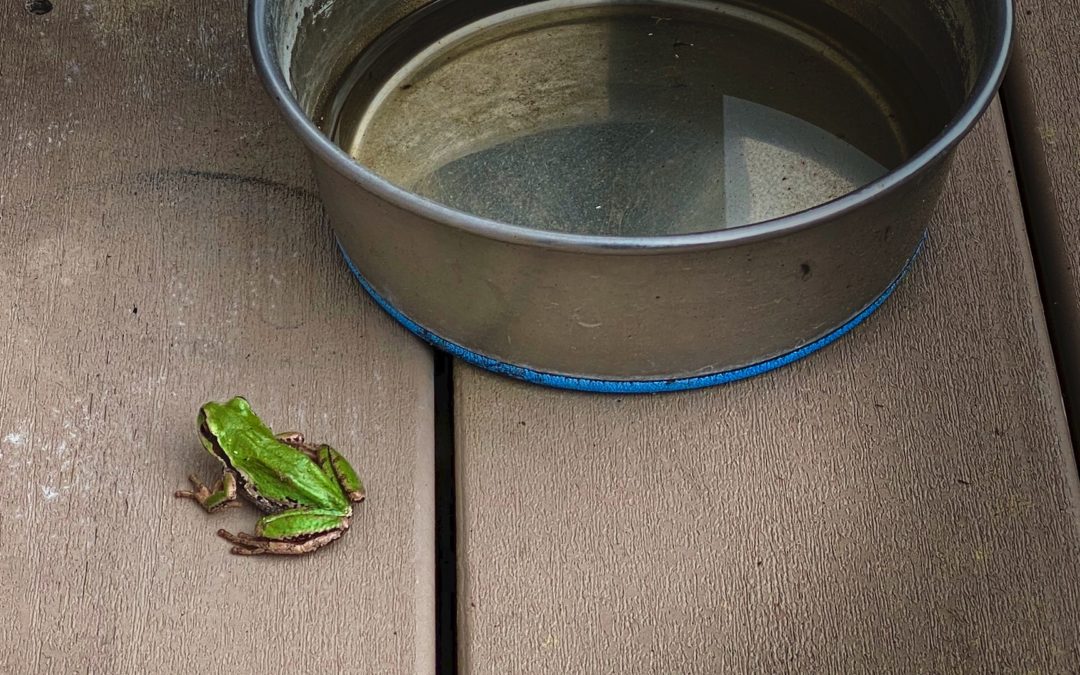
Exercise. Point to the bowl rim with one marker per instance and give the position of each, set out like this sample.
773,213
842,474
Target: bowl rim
986,88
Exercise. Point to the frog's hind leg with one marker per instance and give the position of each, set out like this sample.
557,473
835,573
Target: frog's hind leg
338,468
290,437
246,544
291,532
295,439
331,461
223,495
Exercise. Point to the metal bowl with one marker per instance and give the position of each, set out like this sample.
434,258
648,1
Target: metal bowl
630,196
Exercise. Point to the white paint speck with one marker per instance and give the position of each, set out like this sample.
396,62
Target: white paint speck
71,71
49,493
16,439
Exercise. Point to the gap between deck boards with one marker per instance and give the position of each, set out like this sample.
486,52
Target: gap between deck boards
445,518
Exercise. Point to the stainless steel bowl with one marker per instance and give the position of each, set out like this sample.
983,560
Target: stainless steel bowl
630,196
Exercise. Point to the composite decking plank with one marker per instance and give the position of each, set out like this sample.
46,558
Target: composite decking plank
161,244
904,501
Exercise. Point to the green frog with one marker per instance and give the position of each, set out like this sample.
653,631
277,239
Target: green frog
306,490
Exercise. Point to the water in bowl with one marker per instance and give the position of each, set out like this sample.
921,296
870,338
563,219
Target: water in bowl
617,119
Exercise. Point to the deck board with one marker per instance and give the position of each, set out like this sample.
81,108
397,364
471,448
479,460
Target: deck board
1042,93
162,245
904,501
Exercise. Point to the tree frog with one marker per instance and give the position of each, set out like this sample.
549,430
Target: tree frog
307,490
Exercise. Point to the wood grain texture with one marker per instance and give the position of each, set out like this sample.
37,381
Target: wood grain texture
905,501
1042,93
161,245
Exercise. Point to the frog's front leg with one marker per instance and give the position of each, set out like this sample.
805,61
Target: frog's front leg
224,494
292,532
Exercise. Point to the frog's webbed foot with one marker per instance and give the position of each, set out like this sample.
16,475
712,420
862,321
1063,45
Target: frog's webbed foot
247,544
222,496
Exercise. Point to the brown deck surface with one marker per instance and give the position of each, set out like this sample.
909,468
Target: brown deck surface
904,501
1043,96
160,245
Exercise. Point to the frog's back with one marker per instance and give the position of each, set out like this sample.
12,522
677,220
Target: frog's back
280,472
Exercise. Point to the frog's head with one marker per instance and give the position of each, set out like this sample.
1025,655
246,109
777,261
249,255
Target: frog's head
214,417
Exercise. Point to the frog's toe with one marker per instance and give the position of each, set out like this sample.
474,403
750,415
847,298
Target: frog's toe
242,550
239,538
